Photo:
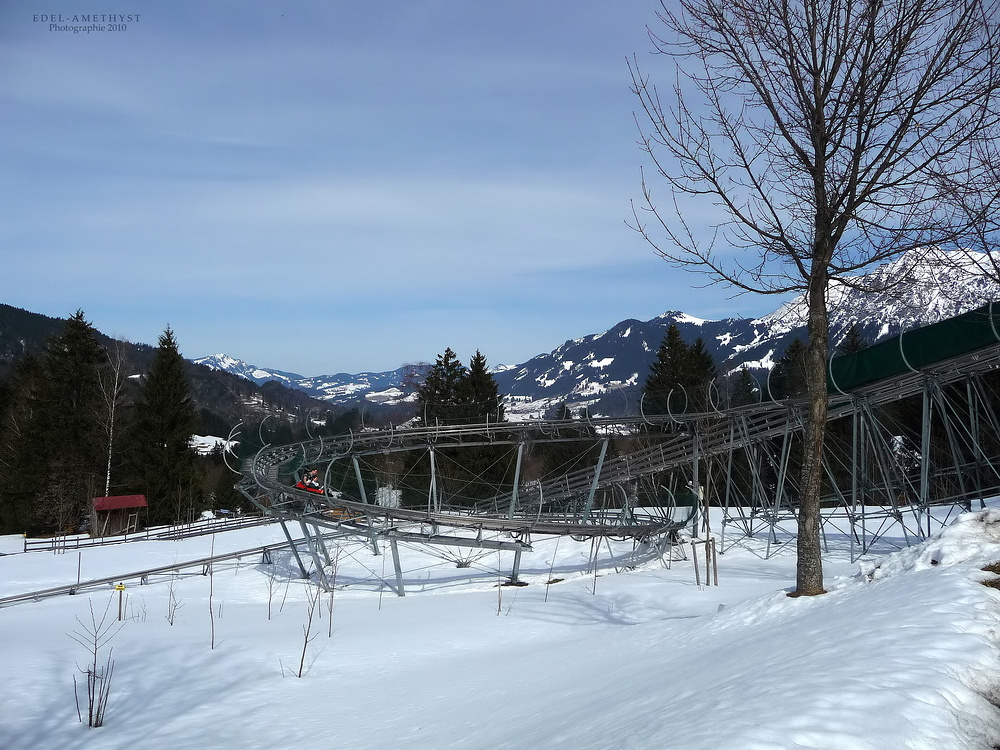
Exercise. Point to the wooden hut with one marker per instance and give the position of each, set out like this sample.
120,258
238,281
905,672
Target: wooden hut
118,514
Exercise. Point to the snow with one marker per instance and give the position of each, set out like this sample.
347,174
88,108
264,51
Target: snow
390,396
260,374
940,284
764,363
685,318
900,653
205,444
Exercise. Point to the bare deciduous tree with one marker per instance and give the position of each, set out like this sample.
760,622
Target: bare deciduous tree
111,385
825,136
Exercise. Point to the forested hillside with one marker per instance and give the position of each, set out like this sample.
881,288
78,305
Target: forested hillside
84,416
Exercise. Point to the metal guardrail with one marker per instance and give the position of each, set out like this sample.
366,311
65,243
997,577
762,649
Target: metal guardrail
180,531
143,575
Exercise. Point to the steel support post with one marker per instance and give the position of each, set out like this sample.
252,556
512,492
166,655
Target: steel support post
786,450
956,452
396,567
315,555
361,484
597,477
897,484
985,408
321,543
855,445
295,549
744,503
433,501
840,497
729,485
695,480
747,506
757,494
517,566
925,453
975,433
364,499
517,481
863,471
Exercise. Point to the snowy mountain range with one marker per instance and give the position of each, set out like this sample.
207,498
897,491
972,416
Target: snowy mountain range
605,371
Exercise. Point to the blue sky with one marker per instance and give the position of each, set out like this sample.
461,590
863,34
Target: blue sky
332,186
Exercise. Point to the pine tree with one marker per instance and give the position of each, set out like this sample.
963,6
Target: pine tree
21,450
679,377
698,375
560,411
438,395
69,412
743,389
479,394
852,342
162,463
665,374
788,377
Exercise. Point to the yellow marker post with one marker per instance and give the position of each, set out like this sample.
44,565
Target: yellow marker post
120,588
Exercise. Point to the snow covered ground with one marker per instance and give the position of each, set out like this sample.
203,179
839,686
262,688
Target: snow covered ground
901,653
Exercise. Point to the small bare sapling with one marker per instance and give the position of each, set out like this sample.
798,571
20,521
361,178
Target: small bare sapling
173,603
94,636
313,594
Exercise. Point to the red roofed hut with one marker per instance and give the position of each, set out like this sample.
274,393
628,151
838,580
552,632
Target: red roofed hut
118,514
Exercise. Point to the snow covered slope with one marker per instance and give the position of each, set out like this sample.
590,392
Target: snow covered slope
901,656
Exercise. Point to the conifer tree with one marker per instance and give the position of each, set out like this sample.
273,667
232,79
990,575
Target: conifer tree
21,454
680,374
560,412
665,373
699,372
788,378
743,390
162,462
479,394
438,395
452,394
68,421
852,342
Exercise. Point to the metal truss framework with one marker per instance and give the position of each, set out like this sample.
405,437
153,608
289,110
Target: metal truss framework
647,477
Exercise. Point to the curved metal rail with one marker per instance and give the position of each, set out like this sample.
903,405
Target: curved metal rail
567,503
521,509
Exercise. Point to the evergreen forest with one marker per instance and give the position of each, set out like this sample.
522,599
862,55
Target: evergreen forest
83,416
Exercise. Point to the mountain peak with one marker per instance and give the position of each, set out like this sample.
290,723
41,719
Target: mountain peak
258,375
917,288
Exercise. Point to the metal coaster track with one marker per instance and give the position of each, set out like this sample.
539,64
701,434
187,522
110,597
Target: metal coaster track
648,447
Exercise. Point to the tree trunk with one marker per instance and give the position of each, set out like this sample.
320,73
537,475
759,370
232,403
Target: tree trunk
809,574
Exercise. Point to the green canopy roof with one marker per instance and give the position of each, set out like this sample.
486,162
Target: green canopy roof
915,349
